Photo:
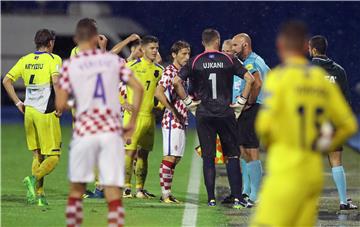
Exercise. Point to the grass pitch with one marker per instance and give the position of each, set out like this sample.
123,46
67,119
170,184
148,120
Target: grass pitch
16,164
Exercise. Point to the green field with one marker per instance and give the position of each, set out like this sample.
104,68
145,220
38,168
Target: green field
16,164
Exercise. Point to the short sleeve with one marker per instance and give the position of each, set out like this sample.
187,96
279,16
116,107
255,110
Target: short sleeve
16,71
165,80
64,79
55,65
251,67
238,68
185,72
124,71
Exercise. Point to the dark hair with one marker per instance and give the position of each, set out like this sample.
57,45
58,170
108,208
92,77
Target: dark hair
209,35
85,29
178,45
135,43
295,33
149,39
43,37
320,43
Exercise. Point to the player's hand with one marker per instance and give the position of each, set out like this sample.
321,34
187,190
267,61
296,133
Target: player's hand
238,106
323,143
128,107
102,41
177,115
58,113
133,37
191,105
128,131
21,107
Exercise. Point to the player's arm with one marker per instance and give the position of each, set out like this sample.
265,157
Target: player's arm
102,42
183,75
242,72
63,89
160,94
267,114
119,46
136,86
55,67
256,87
8,81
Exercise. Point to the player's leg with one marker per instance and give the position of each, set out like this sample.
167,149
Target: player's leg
173,149
146,142
130,153
245,174
82,162
251,144
111,165
226,129
74,207
338,173
207,138
254,168
49,133
33,145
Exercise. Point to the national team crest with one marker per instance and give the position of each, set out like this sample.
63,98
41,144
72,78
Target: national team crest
156,73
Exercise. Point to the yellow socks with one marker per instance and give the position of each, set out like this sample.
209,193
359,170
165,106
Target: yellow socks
46,166
128,170
141,172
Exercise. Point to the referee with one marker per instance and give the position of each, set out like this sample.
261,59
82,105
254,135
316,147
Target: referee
337,75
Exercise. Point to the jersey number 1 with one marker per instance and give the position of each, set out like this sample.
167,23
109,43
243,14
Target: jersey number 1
302,112
99,88
212,77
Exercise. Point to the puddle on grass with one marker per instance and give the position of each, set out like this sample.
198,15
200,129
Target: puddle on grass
339,215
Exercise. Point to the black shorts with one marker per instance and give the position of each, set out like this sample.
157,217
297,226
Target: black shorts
246,127
225,127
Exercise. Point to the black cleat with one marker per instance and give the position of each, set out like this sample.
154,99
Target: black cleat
228,200
348,206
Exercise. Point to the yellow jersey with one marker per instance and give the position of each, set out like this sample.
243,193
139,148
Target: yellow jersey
74,51
298,99
37,69
148,73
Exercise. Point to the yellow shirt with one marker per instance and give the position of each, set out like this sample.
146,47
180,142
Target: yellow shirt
298,99
148,73
74,51
36,69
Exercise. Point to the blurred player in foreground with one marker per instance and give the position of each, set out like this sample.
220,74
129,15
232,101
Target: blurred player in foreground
149,73
39,70
294,125
211,74
249,142
336,74
174,120
92,77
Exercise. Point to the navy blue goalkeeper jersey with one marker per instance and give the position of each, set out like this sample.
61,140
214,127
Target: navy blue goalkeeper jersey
211,76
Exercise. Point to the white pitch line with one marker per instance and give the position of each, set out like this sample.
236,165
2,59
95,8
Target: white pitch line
192,197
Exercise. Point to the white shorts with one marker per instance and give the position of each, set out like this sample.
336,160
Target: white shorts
173,142
102,152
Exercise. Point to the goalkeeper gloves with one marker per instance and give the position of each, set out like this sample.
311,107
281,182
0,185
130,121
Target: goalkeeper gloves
239,106
191,105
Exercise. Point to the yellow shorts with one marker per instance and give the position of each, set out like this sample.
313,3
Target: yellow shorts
291,189
143,136
42,131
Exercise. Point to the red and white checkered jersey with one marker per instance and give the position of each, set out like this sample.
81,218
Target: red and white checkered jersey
167,82
93,78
